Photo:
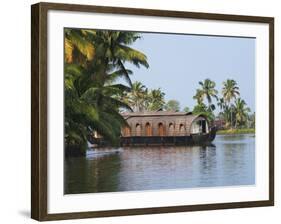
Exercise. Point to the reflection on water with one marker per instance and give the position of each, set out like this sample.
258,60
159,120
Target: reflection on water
231,161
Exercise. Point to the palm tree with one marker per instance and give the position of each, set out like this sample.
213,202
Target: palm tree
91,108
172,105
207,91
78,45
186,109
94,62
202,109
199,96
156,99
230,91
223,108
241,112
137,96
221,104
114,50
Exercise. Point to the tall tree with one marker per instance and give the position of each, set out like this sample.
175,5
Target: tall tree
241,112
137,96
230,91
221,104
172,105
78,46
95,61
202,109
207,92
199,97
156,99
186,109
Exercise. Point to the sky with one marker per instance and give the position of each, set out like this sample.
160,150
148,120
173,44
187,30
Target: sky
178,62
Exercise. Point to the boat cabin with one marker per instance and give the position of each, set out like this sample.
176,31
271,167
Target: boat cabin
164,123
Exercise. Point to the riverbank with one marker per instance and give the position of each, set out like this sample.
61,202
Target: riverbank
236,131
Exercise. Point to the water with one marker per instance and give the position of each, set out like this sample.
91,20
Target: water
230,162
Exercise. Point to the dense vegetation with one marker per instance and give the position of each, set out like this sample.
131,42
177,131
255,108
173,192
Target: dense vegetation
94,62
236,131
140,98
233,109
98,87
226,105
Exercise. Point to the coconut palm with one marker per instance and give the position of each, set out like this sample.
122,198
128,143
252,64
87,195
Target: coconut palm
221,104
92,108
207,91
230,91
94,62
172,105
199,97
137,96
241,112
78,45
112,48
202,109
156,99
186,109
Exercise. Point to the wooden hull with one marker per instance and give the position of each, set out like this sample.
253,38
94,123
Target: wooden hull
195,139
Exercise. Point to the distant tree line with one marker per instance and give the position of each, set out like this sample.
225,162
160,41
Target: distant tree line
140,98
232,108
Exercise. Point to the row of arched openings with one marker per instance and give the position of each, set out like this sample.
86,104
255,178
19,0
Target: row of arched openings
161,131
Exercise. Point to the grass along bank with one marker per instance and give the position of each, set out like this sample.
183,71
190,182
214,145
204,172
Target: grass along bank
236,131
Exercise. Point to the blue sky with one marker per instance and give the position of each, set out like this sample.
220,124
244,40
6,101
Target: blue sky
179,62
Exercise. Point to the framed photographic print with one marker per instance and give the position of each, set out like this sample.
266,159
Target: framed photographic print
139,111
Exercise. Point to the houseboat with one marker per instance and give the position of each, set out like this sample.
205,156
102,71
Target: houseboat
165,128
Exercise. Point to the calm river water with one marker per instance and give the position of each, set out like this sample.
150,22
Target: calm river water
231,161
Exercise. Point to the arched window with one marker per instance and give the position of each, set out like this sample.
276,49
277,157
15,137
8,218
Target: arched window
171,129
138,129
148,129
161,131
182,130
127,131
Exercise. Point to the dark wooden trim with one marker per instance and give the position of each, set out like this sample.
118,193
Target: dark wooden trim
271,111
39,110
154,12
157,210
35,191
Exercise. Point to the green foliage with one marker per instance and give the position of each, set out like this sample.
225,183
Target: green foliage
204,110
235,114
241,112
172,105
206,91
251,122
230,90
156,99
186,109
236,131
137,97
94,61
140,98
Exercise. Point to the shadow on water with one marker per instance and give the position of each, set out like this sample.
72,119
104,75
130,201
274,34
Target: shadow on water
230,160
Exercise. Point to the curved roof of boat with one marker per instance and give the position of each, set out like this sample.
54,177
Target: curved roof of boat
154,113
188,115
